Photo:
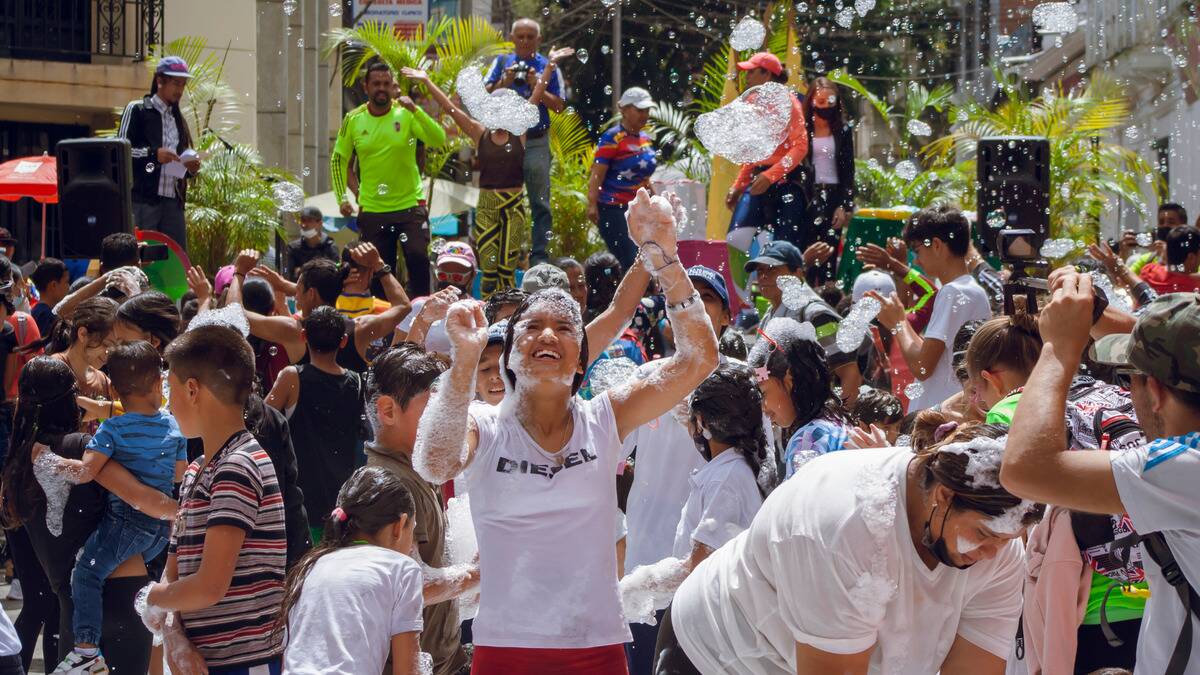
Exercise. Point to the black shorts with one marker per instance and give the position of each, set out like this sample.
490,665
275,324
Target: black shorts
669,658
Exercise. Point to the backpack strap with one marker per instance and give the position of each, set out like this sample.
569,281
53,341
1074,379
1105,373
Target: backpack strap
1155,545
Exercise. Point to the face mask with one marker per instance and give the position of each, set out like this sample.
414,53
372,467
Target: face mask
308,234
1161,233
938,547
827,114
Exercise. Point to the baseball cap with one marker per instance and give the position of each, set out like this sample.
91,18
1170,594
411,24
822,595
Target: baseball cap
456,252
711,277
222,278
1163,343
778,252
543,276
173,66
496,332
765,60
6,237
637,97
873,280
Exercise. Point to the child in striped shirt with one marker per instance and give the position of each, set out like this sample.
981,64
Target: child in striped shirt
225,564
147,442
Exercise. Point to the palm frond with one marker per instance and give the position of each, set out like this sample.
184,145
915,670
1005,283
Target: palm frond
840,76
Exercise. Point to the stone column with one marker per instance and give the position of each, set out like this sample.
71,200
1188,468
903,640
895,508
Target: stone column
315,18
271,90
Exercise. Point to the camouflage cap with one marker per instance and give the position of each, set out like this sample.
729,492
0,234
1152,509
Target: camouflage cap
1164,344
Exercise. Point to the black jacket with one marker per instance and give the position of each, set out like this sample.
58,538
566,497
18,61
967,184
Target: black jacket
299,253
141,123
844,149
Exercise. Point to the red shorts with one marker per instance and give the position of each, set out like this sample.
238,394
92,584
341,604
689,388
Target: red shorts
607,660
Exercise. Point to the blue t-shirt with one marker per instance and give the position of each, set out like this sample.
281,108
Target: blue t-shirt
537,63
44,317
631,160
819,436
146,445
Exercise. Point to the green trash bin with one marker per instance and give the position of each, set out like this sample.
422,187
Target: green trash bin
868,226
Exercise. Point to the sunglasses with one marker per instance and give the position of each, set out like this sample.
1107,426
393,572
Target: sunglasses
1123,377
453,277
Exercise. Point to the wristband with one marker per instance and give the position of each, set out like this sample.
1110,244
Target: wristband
382,271
685,303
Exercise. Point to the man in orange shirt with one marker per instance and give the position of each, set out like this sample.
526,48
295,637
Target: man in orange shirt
769,194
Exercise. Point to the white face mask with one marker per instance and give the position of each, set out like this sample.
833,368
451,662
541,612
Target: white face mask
833,100
308,234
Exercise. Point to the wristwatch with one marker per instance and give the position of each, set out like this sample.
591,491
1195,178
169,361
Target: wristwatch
382,271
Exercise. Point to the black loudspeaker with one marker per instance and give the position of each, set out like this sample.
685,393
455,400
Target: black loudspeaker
94,201
1014,189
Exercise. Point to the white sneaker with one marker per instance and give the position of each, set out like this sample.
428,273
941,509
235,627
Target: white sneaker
78,664
14,591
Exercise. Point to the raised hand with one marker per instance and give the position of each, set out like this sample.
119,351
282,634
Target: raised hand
366,255
558,54
652,227
199,284
817,253
467,328
273,278
1066,320
246,260
891,310
407,103
415,74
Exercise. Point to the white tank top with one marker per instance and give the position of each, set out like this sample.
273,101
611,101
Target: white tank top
825,160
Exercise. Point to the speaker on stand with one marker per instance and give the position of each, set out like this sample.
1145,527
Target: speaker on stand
1014,189
94,200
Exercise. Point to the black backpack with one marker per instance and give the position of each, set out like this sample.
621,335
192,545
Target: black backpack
1155,545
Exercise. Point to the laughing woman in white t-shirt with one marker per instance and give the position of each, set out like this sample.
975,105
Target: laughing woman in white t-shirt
540,466
868,561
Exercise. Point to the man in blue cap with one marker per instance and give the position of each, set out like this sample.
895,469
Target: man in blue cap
780,259
711,286
159,137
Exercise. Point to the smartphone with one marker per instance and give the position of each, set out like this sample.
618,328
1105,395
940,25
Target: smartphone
153,253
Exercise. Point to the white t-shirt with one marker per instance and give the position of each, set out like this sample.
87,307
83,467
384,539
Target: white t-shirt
666,458
722,502
436,339
548,568
351,604
10,644
1157,484
829,562
956,303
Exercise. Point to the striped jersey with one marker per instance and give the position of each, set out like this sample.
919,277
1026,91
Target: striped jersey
239,488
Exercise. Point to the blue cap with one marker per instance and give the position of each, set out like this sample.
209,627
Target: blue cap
711,277
776,253
173,66
496,332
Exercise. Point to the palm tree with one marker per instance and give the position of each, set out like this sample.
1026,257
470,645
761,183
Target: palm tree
572,148
1088,170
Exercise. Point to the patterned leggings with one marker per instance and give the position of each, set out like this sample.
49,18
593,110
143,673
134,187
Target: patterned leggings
501,237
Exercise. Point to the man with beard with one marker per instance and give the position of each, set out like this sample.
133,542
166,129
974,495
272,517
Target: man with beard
384,138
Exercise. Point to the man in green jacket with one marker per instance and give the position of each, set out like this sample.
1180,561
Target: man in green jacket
383,136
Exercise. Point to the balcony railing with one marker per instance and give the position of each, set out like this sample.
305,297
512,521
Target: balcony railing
79,31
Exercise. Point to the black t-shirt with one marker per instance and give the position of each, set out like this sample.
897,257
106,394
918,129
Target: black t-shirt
44,316
8,342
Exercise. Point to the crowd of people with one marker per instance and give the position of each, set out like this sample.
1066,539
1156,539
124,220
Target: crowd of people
367,462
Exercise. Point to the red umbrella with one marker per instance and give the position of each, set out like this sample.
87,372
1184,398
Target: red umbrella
34,177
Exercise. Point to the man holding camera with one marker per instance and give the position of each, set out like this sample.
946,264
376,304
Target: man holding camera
520,71
1155,483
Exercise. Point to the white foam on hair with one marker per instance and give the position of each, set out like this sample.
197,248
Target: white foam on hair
782,331
559,303
649,588
229,316
984,456
1012,520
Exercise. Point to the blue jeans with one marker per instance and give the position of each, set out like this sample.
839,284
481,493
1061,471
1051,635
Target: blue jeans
615,232
780,209
123,533
537,186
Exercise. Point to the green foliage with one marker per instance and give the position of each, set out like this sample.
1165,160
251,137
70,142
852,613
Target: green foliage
1089,172
230,204
571,148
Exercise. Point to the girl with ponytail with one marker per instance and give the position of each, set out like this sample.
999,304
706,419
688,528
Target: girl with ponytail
1000,357
357,595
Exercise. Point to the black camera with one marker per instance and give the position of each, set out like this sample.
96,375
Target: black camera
520,69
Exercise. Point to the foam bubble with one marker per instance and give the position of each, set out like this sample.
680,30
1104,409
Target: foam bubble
230,316
918,128
609,373
56,481
289,197
1058,248
853,328
501,109
781,331
649,588
749,128
914,390
748,34
1055,17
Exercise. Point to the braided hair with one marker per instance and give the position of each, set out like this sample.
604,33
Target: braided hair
371,499
728,406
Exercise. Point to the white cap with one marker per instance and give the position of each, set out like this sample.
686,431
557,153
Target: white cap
636,96
873,280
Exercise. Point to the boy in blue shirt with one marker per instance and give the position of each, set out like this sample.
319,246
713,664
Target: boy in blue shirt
147,442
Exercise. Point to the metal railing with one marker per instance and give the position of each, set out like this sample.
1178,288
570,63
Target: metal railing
79,31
